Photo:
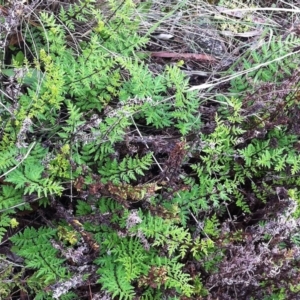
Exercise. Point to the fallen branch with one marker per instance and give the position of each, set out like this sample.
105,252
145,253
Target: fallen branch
189,56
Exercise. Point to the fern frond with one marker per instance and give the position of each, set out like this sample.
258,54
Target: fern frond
126,170
113,280
8,159
34,245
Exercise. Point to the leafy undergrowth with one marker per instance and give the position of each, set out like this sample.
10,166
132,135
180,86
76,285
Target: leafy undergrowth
139,161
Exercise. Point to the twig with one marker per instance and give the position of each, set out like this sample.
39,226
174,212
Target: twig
191,56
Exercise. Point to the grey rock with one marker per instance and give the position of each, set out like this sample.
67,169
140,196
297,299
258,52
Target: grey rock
204,38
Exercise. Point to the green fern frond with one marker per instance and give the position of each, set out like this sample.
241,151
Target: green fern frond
126,170
8,159
34,245
113,280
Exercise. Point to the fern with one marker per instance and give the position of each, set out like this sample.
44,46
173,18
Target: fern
133,258
73,121
211,227
126,170
11,198
4,224
270,63
167,234
178,279
113,280
29,178
8,159
35,247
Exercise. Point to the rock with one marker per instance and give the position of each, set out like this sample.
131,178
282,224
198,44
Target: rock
205,39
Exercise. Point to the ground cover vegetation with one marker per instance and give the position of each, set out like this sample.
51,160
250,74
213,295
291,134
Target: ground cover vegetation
149,150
